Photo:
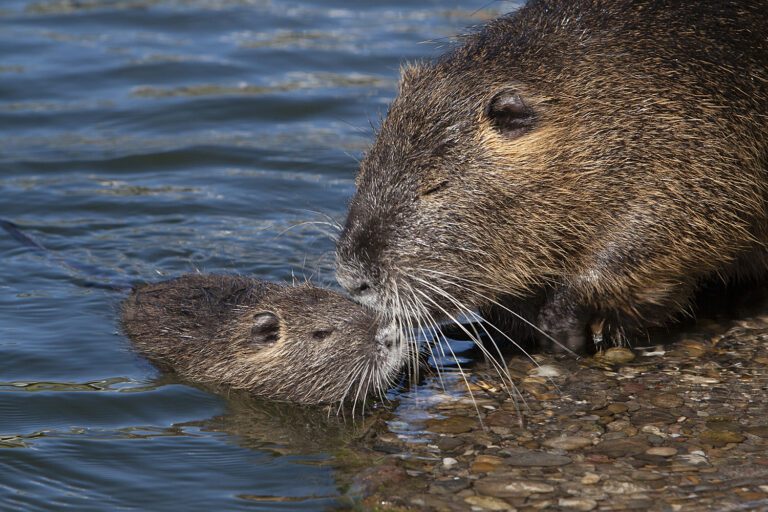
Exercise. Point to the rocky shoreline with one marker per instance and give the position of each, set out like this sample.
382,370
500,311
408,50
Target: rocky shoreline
675,427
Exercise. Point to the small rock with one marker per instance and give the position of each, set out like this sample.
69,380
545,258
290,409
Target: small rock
646,476
620,447
696,458
616,355
760,431
585,504
662,451
699,379
652,417
502,419
568,442
590,479
720,438
488,503
450,444
450,486
537,459
617,408
614,487
449,462
546,370
667,401
504,488
452,425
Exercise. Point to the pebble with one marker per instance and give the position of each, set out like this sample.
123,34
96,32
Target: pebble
617,408
720,438
449,462
662,451
584,504
452,425
590,479
614,487
501,487
667,401
615,448
488,503
616,355
568,442
537,459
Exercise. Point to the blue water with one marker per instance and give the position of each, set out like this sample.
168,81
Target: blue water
154,137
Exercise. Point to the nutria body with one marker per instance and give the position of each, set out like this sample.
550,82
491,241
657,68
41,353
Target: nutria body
588,164
291,343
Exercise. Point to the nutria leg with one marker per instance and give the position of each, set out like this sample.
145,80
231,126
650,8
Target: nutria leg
564,324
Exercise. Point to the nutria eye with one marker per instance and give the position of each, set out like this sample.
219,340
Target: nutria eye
435,189
509,114
321,335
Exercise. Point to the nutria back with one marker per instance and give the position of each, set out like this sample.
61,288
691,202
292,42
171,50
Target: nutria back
291,343
585,163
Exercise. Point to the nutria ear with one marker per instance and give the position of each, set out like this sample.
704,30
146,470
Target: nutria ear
265,329
509,113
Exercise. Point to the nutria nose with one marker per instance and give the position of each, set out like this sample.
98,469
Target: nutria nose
362,287
357,287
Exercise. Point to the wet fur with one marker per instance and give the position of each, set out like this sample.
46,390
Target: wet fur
641,175
324,349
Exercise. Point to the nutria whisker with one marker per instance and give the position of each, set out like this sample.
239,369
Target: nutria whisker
422,318
499,364
331,236
486,321
505,308
453,354
353,378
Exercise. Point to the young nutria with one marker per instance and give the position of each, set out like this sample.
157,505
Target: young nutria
292,343
579,165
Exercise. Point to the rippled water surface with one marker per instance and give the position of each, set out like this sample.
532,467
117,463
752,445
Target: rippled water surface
148,138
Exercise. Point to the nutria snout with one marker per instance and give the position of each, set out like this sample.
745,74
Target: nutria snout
292,343
577,163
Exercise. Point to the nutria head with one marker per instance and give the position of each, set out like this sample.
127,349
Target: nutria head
571,145
461,187
292,343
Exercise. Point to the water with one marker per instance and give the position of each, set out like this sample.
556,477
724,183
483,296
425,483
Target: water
154,137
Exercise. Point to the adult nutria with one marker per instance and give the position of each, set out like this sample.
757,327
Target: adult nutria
580,165
291,343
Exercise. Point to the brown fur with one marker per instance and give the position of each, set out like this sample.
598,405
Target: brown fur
300,344
630,169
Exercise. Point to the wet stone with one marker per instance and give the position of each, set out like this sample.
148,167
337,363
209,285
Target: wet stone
616,355
720,438
614,487
652,417
537,459
667,401
568,442
452,425
617,408
615,448
488,503
646,476
450,486
501,487
584,504
449,444
760,431
661,451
